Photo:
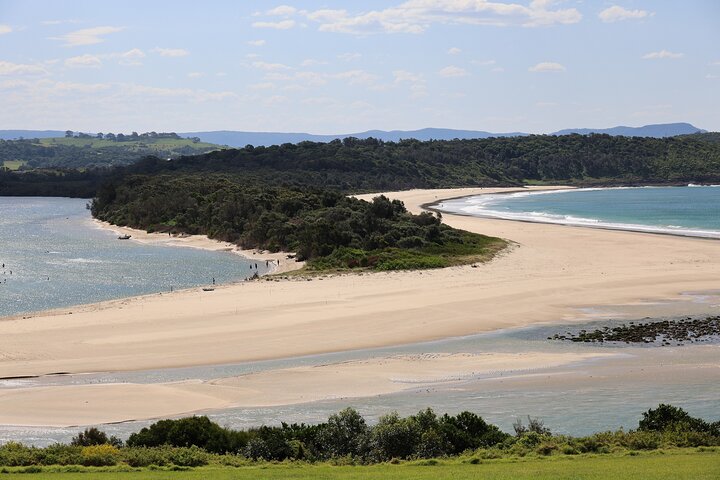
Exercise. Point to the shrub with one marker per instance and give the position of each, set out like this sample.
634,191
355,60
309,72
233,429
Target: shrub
188,456
14,454
643,440
100,455
546,448
144,457
59,454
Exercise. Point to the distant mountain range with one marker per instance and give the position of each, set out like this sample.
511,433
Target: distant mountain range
240,139
660,130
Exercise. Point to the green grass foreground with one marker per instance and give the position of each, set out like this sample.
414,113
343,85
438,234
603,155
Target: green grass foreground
695,464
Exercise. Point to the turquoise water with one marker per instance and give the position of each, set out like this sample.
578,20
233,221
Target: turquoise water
693,211
54,256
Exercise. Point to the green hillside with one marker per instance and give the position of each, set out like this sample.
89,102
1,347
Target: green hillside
85,152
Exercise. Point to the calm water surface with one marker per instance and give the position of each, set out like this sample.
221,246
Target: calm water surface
55,256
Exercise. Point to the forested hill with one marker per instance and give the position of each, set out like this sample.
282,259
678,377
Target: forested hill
354,165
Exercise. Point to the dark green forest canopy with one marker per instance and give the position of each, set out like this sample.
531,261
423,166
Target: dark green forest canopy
366,165
324,226
353,165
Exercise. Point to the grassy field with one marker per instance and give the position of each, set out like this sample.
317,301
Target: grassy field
669,464
13,164
152,143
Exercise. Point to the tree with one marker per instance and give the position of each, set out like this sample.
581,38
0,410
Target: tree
344,434
93,436
69,133
665,417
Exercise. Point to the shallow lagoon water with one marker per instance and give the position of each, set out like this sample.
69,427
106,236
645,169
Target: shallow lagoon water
59,257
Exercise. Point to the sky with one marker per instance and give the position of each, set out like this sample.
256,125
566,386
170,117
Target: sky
330,67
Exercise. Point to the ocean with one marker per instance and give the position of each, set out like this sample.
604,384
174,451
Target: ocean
690,211
53,255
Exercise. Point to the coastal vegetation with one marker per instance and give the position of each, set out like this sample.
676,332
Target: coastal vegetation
454,444
353,165
330,230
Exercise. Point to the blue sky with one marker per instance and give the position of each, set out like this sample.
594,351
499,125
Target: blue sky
337,67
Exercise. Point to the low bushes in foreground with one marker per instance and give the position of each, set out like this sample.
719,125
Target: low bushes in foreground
346,439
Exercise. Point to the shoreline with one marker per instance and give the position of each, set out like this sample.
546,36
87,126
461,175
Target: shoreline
204,242
550,276
601,225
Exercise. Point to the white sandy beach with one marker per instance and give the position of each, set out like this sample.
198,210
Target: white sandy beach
279,261
550,273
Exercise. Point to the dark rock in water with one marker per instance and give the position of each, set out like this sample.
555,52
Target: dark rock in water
687,330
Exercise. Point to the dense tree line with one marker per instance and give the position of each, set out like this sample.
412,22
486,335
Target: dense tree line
353,165
326,226
346,438
121,137
53,182
345,434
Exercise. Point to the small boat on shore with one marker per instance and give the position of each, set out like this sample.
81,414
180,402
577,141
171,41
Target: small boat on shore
125,237
208,289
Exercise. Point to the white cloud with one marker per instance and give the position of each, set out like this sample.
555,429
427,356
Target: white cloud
714,64
281,25
58,22
171,52
195,74
270,66
416,81
5,29
356,77
9,68
416,16
545,104
84,61
662,54
547,67
87,36
454,51
616,14
350,56
262,86
311,62
131,58
497,70
452,71
282,11
405,76
256,43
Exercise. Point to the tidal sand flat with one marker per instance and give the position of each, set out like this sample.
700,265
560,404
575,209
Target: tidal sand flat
551,272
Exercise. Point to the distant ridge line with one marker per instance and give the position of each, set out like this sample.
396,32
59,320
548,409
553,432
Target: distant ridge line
241,138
